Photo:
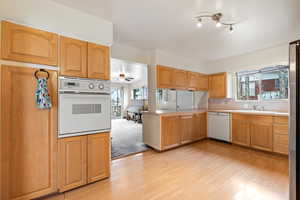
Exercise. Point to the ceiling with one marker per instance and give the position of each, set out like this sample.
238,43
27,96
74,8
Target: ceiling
168,24
137,71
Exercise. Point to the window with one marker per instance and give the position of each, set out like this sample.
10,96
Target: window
265,84
139,94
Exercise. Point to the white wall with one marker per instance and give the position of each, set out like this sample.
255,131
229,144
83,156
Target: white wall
57,18
129,53
177,61
254,60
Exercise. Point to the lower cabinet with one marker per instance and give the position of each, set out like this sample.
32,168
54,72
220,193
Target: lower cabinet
280,135
200,126
177,130
241,129
72,162
186,128
268,133
170,131
98,157
82,160
261,131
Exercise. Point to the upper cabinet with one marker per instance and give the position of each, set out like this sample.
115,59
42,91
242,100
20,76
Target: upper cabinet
82,59
203,82
171,78
193,80
98,61
25,44
164,77
218,85
180,79
73,57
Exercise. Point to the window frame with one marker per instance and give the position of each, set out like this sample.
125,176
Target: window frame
259,71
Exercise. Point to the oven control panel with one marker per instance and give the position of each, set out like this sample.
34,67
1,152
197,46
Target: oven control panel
67,84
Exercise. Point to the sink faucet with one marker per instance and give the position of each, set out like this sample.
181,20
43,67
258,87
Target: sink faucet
254,107
258,107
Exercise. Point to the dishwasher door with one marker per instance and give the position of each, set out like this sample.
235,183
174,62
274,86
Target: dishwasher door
219,126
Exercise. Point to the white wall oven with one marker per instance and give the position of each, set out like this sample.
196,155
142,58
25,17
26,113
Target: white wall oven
84,106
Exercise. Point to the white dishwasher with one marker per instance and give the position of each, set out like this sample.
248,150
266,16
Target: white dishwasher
219,126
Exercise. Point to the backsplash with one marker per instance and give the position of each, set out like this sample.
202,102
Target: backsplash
231,104
181,100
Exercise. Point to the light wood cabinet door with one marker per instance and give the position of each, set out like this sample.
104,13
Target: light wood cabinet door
180,80
240,129
164,77
200,126
73,57
203,82
25,44
193,79
186,128
261,131
28,136
280,135
218,85
170,131
98,62
98,157
72,162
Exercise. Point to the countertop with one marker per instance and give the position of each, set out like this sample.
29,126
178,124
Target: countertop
188,112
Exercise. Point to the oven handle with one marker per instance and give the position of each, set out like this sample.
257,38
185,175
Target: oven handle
88,93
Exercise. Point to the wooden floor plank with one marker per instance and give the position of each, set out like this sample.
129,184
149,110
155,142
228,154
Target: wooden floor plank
204,170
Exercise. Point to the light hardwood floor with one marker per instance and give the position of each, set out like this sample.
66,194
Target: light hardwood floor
207,170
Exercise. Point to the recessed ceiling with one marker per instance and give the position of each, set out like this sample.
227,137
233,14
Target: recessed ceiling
168,24
136,71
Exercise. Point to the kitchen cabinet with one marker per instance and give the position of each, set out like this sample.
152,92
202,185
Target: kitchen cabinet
164,132
72,162
241,129
180,79
203,82
170,131
98,62
193,78
164,77
82,59
171,78
186,128
28,138
25,44
83,159
261,133
280,135
98,157
200,126
218,85
73,57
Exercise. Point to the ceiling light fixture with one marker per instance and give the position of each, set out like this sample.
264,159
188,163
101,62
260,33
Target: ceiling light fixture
199,23
215,17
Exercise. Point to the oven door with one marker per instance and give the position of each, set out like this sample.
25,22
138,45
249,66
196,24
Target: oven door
81,114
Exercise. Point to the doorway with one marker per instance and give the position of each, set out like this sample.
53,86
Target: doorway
129,99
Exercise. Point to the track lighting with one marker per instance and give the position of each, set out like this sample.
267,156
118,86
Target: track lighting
199,23
215,17
218,24
231,30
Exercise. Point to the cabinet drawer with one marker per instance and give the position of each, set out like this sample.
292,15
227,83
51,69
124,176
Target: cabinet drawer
262,119
281,129
281,120
281,143
240,116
